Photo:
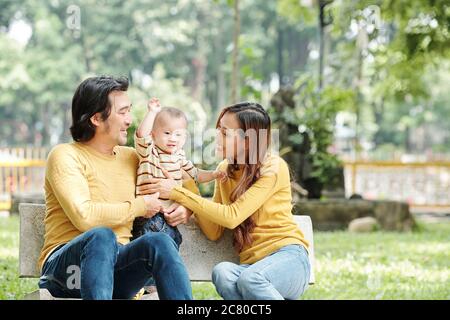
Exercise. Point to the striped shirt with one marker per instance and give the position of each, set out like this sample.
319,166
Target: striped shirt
152,159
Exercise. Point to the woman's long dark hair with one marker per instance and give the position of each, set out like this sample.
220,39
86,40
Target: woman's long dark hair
251,116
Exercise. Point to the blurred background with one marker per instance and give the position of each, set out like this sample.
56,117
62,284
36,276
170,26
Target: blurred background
362,80
358,90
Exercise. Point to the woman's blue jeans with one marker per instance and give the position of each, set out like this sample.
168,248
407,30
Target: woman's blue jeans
283,274
95,266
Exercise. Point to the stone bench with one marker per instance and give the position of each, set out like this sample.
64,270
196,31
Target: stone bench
199,254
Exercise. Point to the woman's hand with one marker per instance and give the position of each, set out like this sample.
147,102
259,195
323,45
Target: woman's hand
163,186
177,214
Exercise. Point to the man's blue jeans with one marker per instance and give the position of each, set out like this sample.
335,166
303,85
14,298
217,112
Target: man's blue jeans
283,274
95,266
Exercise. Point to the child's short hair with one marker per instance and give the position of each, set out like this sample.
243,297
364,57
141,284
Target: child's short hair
171,112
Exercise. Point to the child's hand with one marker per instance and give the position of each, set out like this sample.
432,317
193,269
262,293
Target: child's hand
221,176
154,105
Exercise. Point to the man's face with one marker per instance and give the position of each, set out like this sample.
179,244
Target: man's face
114,129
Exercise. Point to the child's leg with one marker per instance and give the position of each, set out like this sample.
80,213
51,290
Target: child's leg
157,223
138,227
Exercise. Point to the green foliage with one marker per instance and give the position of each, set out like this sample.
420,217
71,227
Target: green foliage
294,11
192,41
315,115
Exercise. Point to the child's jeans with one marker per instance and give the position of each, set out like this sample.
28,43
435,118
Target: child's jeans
157,223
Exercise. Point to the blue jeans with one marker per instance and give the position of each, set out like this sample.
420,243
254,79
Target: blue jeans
283,274
95,266
157,223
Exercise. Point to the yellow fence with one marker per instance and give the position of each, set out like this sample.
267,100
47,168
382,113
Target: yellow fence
419,184
21,170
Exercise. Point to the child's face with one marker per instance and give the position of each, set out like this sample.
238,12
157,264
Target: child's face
169,133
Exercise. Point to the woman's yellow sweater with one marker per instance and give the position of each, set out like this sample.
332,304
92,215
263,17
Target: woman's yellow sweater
268,201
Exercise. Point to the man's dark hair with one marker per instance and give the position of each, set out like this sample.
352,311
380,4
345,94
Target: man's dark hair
90,98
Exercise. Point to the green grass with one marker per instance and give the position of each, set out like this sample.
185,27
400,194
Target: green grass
379,265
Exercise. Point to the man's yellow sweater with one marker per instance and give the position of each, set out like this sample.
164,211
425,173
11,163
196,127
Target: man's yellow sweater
268,201
85,189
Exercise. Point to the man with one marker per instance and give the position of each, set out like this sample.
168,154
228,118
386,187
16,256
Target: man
91,205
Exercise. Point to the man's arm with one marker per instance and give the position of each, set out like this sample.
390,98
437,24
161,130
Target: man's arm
69,184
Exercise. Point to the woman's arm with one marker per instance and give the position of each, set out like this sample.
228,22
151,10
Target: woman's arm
232,215
212,231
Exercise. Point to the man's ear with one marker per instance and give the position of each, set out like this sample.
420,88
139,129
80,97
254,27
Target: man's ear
96,119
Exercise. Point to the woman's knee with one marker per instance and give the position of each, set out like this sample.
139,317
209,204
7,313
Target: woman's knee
249,279
223,273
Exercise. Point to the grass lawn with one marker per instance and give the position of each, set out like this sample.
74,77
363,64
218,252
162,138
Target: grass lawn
379,265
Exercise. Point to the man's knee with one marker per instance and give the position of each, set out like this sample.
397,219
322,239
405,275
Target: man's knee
158,240
103,237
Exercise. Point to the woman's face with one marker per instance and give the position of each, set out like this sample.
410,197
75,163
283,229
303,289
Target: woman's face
230,139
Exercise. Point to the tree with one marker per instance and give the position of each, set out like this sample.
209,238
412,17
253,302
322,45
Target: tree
234,74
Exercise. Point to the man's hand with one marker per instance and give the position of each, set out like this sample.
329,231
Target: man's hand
163,186
177,214
154,105
152,204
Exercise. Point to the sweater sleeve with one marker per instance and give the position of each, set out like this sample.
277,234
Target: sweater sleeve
212,230
142,144
231,215
66,176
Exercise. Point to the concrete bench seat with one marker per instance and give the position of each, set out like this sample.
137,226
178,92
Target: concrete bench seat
199,254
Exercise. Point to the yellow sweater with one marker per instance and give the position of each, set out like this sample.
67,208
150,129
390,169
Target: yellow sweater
86,189
268,201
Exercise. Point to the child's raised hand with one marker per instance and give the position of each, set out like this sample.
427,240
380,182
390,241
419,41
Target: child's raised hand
154,105
221,176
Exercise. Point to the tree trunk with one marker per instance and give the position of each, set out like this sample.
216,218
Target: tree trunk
321,41
65,134
378,111
235,70
359,100
199,65
280,56
298,51
322,25
45,118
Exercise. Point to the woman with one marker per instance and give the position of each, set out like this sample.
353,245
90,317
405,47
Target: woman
256,203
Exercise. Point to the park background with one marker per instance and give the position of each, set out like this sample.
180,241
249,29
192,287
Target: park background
358,91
